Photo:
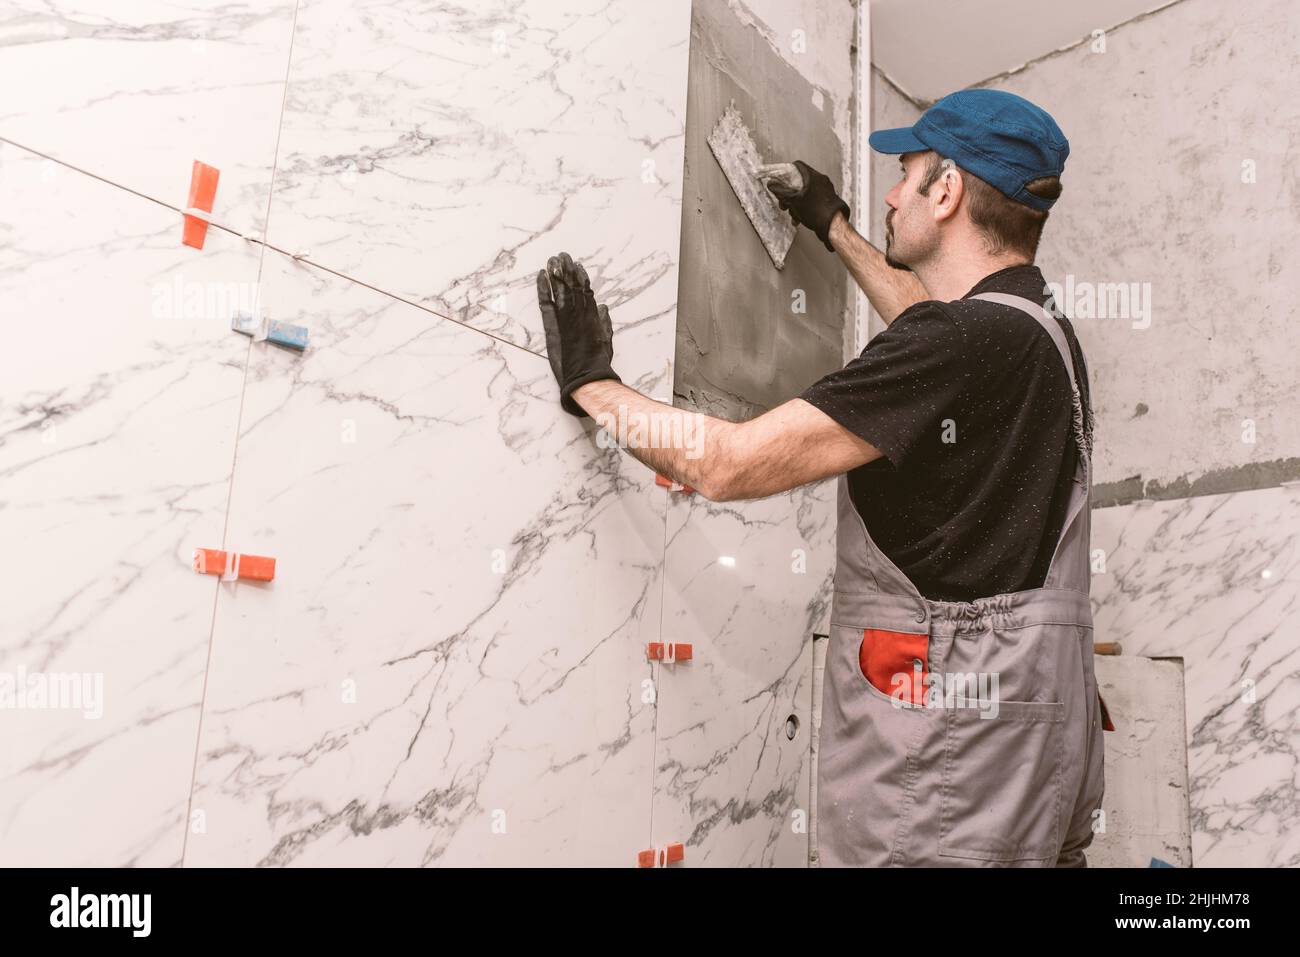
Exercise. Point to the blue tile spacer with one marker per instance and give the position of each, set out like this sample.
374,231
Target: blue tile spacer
287,334
246,323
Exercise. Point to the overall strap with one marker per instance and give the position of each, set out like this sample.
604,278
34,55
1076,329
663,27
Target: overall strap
1045,319
1069,567
1083,434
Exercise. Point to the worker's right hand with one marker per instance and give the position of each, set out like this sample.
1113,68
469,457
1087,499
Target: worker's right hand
815,205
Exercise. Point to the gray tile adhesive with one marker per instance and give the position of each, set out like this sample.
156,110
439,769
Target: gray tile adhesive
733,147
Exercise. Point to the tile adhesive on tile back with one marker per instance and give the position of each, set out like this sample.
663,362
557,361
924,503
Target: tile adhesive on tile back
733,147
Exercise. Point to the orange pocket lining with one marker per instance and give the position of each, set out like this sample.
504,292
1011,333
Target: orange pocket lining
884,656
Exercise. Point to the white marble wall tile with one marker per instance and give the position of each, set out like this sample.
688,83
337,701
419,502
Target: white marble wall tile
136,91
443,152
1216,580
747,584
455,639
119,398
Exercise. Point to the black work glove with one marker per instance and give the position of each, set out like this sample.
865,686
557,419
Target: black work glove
579,337
815,205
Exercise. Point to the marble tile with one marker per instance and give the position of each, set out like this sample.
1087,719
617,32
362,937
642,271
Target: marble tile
450,666
135,94
119,398
747,584
442,153
1215,580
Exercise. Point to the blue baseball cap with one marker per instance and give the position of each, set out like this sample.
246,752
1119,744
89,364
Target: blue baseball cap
1002,138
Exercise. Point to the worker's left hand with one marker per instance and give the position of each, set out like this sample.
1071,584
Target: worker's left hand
814,205
579,336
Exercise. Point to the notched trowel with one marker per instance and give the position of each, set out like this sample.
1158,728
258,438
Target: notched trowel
733,147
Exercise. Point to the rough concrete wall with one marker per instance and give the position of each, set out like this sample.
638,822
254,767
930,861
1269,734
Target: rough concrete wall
974,41
1164,126
889,108
743,346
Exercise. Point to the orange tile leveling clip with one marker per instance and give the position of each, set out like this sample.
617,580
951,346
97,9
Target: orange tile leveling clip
203,190
668,652
232,565
672,486
661,856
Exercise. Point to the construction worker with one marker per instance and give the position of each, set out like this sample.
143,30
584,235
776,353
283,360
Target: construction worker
961,723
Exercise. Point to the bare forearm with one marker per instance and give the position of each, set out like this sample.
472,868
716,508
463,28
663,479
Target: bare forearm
791,445
681,445
889,290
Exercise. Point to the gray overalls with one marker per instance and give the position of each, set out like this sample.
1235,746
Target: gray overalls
962,733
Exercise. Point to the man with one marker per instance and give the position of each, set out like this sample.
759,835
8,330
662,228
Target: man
961,721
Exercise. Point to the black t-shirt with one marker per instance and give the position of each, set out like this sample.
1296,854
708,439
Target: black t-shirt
970,406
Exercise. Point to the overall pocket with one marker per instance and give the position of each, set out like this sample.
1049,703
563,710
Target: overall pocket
1001,786
894,665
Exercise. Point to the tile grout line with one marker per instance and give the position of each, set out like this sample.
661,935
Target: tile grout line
656,669
395,296
269,245
234,458
85,172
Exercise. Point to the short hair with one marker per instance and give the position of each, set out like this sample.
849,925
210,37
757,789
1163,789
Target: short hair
1005,223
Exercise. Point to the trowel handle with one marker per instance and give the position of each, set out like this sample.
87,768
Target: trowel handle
784,174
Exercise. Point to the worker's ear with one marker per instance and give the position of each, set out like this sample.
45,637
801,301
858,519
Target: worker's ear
947,192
